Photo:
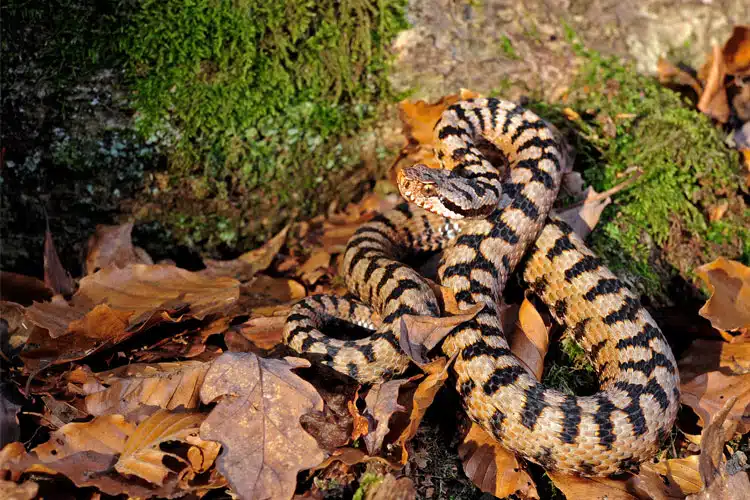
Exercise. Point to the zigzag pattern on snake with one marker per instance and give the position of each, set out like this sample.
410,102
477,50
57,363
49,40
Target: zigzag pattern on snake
609,432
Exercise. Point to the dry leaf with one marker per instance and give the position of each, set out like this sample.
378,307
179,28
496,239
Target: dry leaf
419,118
130,388
729,284
424,395
419,334
713,101
113,246
264,294
55,275
731,358
584,217
736,51
145,290
248,264
141,455
315,267
257,422
22,289
106,435
381,403
264,332
529,341
681,471
391,488
707,393
24,491
18,329
670,74
333,427
492,468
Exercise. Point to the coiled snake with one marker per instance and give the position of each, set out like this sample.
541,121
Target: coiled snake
612,431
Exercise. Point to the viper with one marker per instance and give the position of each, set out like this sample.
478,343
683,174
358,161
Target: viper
486,223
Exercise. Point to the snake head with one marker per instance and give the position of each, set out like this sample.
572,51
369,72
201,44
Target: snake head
442,192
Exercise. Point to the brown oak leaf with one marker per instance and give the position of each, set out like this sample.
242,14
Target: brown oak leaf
260,402
113,246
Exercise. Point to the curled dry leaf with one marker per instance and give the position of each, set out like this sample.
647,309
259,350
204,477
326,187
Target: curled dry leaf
391,488
736,51
315,267
424,395
492,468
681,471
264,294
144,291
13,491
670,74
729,284
55,275
583,217
248,264
23,289
381,403
529,340
420,334
128,389
142,456
713,100
265,332
419,118
257,422
113,246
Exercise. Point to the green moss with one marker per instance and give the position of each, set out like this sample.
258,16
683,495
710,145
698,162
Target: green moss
367,481
255,99
629,124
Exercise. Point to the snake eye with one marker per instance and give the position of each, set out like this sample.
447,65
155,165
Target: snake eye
429,190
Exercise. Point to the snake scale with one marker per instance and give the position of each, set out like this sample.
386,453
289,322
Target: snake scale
485,224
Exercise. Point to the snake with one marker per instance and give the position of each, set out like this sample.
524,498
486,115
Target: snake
486,224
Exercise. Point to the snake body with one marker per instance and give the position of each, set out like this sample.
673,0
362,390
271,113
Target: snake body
612,431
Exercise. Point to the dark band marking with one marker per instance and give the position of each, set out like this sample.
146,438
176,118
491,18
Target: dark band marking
628,312
525,205
502,377
461,114
561,307
603,420
450,130
533,406
641,339
605,286
466,388
502,230
571,419
496,422
586,264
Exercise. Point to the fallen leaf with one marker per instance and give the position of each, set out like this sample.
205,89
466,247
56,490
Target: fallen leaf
333,427
248,264
730,358
22,289
130,388
529,341
13,491
492,468
729,284
713,101
265,332
736,51
113,246
420,334
106,435
419,118
391,488
424,395
381,403
263,294
59,413
141,455
584,217
257,422
18,329
315,267
671,74
55,275
707,393
681,471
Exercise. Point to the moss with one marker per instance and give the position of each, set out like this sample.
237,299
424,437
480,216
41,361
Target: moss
367,481
255,101
658,228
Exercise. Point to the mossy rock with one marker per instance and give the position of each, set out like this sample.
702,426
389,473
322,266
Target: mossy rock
659,229
262,107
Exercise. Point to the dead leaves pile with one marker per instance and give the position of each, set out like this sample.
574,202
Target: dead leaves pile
150,380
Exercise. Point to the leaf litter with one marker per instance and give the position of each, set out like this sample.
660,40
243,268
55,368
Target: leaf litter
161,382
